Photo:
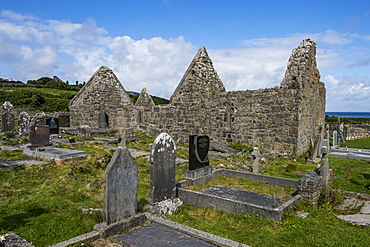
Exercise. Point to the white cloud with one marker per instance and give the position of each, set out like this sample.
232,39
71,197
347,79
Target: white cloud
331,80
73,51
15,16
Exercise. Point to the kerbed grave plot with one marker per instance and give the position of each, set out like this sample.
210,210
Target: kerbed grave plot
234,201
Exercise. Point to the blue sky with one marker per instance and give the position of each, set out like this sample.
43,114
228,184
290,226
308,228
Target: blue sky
151,43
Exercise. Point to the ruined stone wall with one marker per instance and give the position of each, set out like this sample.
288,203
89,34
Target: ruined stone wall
284,119
103,93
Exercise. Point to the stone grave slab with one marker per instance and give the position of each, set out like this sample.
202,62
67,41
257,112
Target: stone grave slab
242,195
156,235
50,153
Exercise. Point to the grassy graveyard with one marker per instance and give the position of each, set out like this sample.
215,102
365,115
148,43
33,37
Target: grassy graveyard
41,203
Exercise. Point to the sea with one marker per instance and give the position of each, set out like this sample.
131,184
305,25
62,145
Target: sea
348,114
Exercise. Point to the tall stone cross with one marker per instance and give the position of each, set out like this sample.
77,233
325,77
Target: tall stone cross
162,168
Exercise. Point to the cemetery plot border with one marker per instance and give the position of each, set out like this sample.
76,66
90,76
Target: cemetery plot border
228,205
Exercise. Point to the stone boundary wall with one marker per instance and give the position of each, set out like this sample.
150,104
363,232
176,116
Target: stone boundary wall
352,131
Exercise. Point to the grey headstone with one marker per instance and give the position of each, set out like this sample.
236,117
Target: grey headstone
84,131
24,121
324,170
335,138
39,119
198,151
316,147
7,121
256,157
120,192
39,135
162,168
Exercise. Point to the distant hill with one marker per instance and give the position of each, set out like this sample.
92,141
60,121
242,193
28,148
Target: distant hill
48,95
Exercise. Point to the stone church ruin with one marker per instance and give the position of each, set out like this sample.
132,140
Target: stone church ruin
283,119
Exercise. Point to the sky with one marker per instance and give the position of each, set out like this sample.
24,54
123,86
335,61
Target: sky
150,43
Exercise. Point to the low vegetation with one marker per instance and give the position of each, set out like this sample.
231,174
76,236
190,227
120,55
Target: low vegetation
40,203
47,95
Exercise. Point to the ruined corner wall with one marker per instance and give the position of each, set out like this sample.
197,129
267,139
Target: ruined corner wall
302,73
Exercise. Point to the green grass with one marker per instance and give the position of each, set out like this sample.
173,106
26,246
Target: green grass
320,228
361,143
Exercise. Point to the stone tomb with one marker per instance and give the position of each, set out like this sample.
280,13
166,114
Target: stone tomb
120,192
53,125
198,156
162,168
242,195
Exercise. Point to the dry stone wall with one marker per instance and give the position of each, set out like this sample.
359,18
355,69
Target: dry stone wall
284,119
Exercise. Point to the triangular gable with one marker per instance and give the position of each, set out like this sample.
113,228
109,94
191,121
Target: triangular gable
144,99
103,81
200,77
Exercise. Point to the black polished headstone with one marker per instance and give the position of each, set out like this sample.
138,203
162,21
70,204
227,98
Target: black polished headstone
52,123
159,235
242,195
198,151
7,121
162,168
39,135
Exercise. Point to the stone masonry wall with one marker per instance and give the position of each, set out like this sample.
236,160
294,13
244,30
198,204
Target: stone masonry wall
284,119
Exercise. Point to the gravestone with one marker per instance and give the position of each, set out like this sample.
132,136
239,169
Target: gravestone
84,131
64,119
316,147
7,121
7,118
335,139
39,119
52,123
324,169
121,183
256,157
39,135
198,156
198,151
162,168
24,121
